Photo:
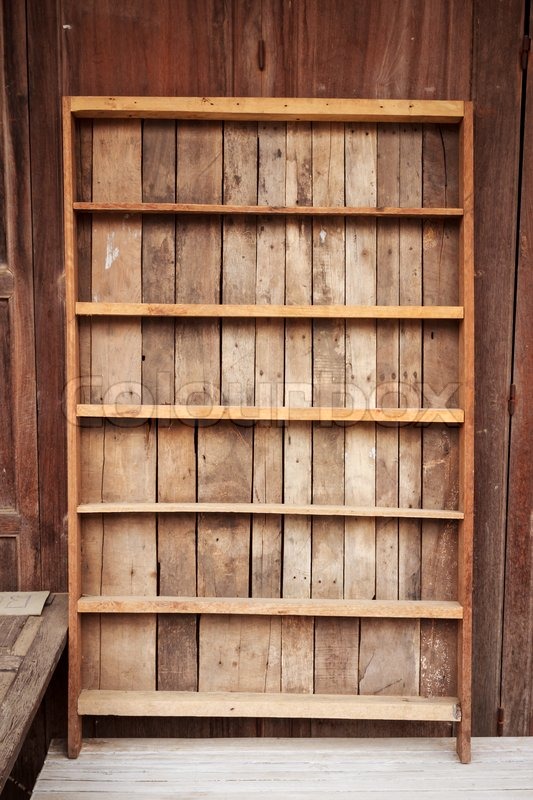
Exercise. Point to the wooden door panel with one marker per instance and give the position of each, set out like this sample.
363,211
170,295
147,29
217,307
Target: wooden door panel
19,521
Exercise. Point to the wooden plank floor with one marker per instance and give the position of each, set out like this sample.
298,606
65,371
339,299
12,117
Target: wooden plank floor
30,648
124,769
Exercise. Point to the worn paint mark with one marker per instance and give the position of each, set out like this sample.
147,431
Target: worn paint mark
112,252
322,236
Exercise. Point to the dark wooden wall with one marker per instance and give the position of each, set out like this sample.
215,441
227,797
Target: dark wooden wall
339,48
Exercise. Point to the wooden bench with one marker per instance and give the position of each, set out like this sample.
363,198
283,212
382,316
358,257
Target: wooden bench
30,648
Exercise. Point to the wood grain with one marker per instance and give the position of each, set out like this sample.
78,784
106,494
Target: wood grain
269,109
262,209
296,390
18,251
297,668
312,509
226,453
497,88
440,444
517,666
44,99
244,309
329,355
116,373
247,704
360,443
33,662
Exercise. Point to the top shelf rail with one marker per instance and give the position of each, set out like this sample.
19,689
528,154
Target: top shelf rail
268,109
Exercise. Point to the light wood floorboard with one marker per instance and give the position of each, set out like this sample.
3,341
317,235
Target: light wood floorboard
125,769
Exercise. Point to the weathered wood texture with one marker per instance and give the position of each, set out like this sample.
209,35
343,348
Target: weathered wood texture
496,91
44,98
305,769
372,49
19,522
223,465
517,666
30,648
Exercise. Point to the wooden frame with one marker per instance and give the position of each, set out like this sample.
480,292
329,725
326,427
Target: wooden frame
89,701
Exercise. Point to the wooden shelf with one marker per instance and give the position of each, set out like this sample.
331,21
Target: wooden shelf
284,705
273,414
266,311
285,211
268,508
385,609
268,109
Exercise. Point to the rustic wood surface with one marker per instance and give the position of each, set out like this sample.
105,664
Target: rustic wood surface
278,768
20,536
497,93
30,648
517,666
482,61
223,462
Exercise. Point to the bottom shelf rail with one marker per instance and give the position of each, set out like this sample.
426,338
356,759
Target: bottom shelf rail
107,702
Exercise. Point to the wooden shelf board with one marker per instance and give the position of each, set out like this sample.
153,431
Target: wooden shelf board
285,509
247,704
226,208
386,609
266,311
269,108
278,414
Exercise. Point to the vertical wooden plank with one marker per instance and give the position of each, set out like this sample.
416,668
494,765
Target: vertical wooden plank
298,632
73,438
440,444
128,544
119,555
177,656
410,363
225,456
387,364
410,377
7,466
466,434
360,457
158,285
197,380
329,390
44,103
389,656
15,153
269,362
497,83
517,666
158,258
269,378
198,243
379,672
84,189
